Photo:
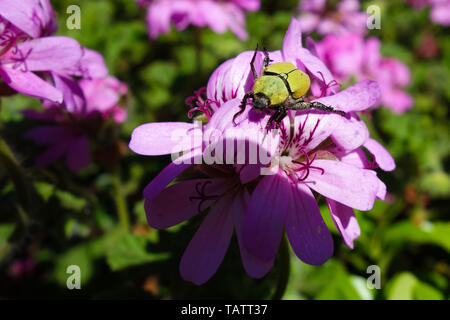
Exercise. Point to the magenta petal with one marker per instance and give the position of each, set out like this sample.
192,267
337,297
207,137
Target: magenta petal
30,84
215,88
381,194
307,232
254,267
265,216
205,252
294,52
350,133
93,64
239,78
160,138
315,127
50,53
360,96
168,174
345,221
74,99
52,154
292,42
163,212
351,186
46,135
356,158
382,157
20,13
249,173
78,155
315,66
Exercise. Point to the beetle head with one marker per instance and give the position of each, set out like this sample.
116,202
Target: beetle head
261,101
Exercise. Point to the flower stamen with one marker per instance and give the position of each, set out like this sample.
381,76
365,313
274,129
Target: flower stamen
198,103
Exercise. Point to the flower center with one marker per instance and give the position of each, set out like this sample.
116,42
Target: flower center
9,38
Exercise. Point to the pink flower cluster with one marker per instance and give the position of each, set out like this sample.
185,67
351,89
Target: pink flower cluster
440,10
73,81
351,56
315,15
217,15
26,47
313,153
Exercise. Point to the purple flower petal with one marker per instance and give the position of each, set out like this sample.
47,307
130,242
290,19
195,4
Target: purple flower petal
254,267
50,53
381,193
350,133
20,13
351,186
78,155
93,64
382,157
30,84
360,96
168,174
265,216
307,232
158,138
249,173
345,221
74,100
215,89
315,66
52,154
239,78
292,42
47,135
356,158
205,252
314,128
163,212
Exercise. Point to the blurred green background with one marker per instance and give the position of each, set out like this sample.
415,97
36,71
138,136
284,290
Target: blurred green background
74,218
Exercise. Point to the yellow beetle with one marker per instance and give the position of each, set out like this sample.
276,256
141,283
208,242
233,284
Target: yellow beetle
280,87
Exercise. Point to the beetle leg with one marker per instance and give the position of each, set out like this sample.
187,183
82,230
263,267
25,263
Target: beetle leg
252,64
242,106
267,60
302,105
283,113
275,115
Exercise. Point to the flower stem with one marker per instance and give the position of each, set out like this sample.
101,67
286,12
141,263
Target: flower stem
20,181
119,199
284,270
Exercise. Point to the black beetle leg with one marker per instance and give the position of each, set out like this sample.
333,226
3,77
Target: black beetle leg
266,59
302,105
272,119
252,64
283,113
242,106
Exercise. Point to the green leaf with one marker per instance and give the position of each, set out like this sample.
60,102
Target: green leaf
424,291
6,231
405,232
130,250
402,287
79,256
405,286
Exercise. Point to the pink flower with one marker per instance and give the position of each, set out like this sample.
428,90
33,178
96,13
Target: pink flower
25,47
440,10
347,17
350,56
67,132
217,15
324,154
